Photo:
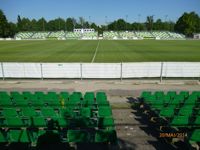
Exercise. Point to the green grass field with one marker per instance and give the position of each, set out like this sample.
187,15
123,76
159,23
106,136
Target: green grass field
99,51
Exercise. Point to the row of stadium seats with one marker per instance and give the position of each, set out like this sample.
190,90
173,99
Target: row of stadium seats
179,111
52,99
24,116
106,35
77,136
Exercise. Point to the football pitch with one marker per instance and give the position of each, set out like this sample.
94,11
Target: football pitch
99,51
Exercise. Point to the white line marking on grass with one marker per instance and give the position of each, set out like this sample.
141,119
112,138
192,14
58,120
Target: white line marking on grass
95,52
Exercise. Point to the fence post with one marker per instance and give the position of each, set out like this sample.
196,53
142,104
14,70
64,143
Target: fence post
41,69
2,69
121,74
81,69
161,72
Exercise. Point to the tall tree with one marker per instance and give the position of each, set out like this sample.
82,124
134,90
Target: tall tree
188,24
4,27
81,21
41,24
69,24
149,23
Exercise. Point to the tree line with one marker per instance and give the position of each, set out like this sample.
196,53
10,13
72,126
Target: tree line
187,24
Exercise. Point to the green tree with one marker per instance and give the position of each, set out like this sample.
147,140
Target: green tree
41,24
149,23
69,24
188,24
4,27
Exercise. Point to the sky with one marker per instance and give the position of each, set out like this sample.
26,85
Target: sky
99,11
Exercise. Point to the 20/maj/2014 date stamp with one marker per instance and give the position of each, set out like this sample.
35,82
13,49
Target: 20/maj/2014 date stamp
172,135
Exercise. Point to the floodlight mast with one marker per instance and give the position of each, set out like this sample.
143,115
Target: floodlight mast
106,17
139,15
126,22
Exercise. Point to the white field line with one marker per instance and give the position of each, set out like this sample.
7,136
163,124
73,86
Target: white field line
95,52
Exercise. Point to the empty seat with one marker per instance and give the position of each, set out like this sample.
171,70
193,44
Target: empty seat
77,136
2,137
102,136
195,137
38,122
18,136
63,122
64,95
145,94
197,121
185,94
14,122
9,112
89,99
167,112
5,101
105,122
104,112
172,94
28,112
182,121
185,111
85,112
48,112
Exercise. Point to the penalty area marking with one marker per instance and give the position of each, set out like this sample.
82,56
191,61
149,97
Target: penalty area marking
95,52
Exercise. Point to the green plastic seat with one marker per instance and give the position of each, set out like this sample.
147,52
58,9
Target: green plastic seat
197,121
3,93
52,99
5,101
63,122
64,95
74,99
167,99
85,112
159,94
171,94
67,113
89,99
167,112
145,94
2,138
77,136
15,94
16,136
38,122
191,100
9,112
48,112
106,122
14,122
185,94
35,101
182,121
185,112
28,112
21,102
105,136
27,94
104,112
89,96
195,137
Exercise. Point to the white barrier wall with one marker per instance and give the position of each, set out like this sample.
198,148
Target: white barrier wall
22,70
1,73
138,70
100,70
181,69
61,70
